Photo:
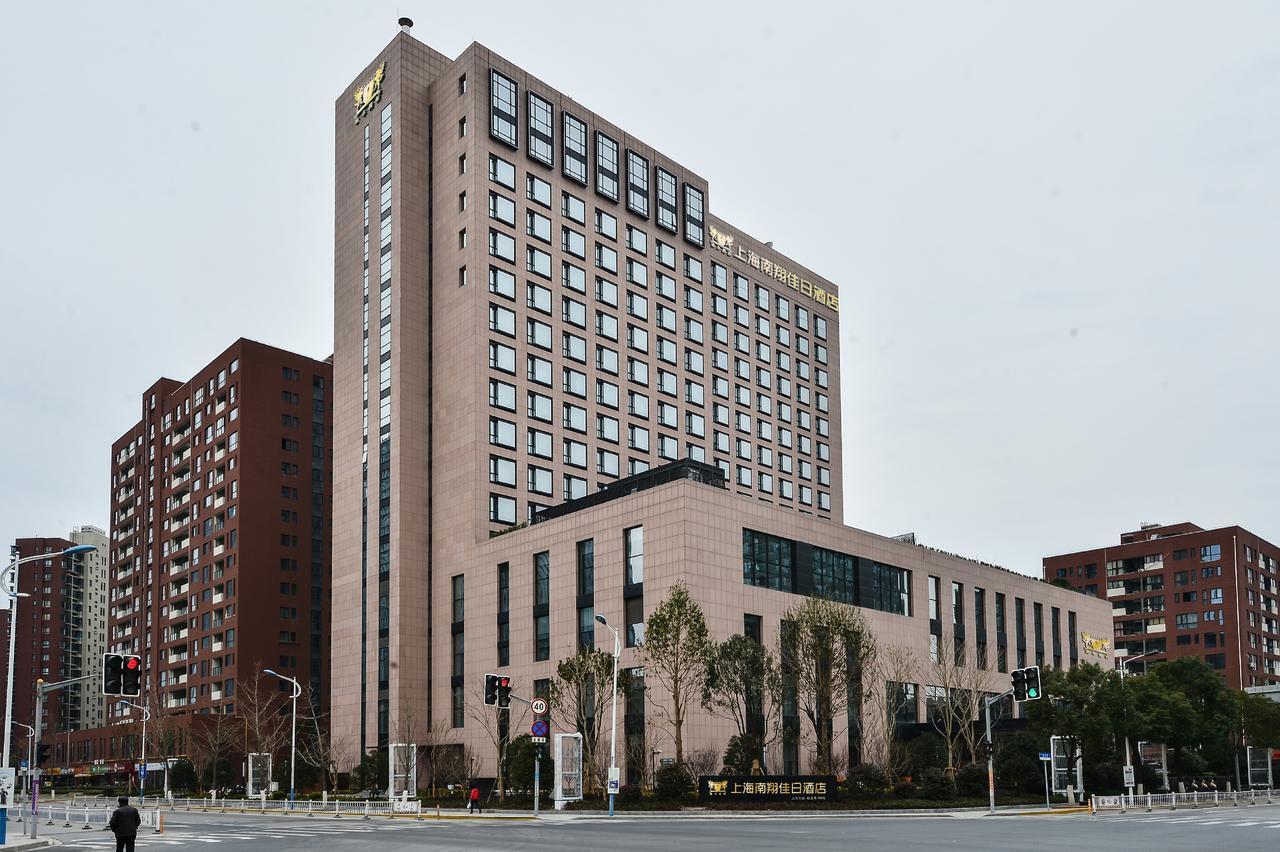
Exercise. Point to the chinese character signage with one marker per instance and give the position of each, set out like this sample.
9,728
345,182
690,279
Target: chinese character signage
767,788
1095,645
724,243
370,93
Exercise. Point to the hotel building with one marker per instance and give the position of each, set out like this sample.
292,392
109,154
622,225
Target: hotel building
565,385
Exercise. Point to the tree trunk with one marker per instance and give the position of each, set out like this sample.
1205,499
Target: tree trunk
678,720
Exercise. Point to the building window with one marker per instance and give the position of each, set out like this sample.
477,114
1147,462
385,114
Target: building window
637,184
635,621
587,627
502,509
833,575
541,146
768,561
606,166
693,215
667,200
502,108
458,597
542,638
575,149
633,542
542,579
586,567
458,707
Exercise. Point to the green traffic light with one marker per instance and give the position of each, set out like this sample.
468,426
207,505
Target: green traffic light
1033,693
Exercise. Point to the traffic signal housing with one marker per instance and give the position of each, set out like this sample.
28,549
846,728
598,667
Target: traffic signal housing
132,680
497,690
43,753
504,691
122,675
1026,684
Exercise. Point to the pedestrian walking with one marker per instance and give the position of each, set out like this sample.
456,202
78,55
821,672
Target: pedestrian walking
473,801
124,823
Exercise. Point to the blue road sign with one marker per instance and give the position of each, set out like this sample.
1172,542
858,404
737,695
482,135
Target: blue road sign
539,728
1044,755
22,764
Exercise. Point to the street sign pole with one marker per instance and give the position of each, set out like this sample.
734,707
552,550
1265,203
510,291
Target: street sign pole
537,776
1044,761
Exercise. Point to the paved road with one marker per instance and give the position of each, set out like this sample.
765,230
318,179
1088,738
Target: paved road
1255,828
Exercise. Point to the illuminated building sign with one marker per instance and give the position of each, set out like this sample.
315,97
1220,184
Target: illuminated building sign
776,788
370,93
723,243
1094,645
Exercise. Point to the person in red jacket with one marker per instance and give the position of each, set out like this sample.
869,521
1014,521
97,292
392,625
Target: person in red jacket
473,800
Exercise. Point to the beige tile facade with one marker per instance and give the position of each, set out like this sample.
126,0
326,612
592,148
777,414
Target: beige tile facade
508,337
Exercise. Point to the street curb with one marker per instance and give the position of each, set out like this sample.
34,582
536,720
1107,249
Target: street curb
1057,812
28,843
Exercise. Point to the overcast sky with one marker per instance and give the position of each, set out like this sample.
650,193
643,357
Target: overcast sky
1054,228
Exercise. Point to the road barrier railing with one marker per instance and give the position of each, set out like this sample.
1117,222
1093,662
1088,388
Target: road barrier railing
1173,801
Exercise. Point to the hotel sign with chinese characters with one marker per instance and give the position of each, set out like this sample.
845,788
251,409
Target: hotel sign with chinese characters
724,243
771,788
370,93
1095,645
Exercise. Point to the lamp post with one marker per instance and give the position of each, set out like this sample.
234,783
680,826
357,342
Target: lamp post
1124,672
613,727
9,588
142,776
293,732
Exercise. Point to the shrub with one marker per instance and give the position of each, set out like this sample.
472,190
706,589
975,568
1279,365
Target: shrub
937,785
905,790
927,751
971,781
742,751
630,793
866,780
671,783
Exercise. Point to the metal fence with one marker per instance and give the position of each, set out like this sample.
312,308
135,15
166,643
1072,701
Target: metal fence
87,817
331,807
1173,801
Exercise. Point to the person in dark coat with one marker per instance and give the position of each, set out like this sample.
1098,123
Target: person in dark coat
124,823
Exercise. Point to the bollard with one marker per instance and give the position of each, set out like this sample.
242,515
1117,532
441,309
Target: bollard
159,822
67,824
336,815
437,810
85,827
366,809
1148,803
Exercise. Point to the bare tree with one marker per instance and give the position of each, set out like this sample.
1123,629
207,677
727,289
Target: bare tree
887,673
317,745
701,761
824,647
953,697
490,718
261,705
211,738
581,693
675,650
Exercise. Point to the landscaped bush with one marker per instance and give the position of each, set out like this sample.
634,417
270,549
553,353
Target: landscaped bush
937,785
971,781
866,781
905,790
671,783
630,793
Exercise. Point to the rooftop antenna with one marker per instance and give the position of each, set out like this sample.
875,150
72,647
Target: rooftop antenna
406,24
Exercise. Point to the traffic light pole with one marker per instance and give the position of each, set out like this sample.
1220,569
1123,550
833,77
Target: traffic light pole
43,689
991,766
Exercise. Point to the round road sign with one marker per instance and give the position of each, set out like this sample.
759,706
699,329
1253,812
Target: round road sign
539,706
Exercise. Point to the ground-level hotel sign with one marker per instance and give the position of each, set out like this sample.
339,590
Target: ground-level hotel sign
370,93
723,243
775,788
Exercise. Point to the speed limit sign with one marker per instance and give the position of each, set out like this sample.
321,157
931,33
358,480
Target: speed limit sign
538,706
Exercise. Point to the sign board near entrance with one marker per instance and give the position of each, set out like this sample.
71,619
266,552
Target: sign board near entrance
776,788
1128,776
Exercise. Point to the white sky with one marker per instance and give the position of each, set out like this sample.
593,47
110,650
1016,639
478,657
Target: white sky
1054,228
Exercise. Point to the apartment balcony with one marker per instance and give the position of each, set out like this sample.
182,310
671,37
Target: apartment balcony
217,598
216,695
216,647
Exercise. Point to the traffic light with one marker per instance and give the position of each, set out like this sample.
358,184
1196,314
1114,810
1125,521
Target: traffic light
43,753
132,680
1026,683
491,690
112,674
121,674
504,691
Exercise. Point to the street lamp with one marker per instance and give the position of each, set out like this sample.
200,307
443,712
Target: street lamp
142,776
9,587
613,728
1124,671
293,733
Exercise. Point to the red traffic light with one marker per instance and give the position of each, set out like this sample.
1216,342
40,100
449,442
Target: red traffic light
131,663
504,682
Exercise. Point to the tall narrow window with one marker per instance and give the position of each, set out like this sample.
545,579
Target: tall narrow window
575,149
541,128
542,578
503,117
667,200
693,215
637,184
587,567
606,166
633,539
